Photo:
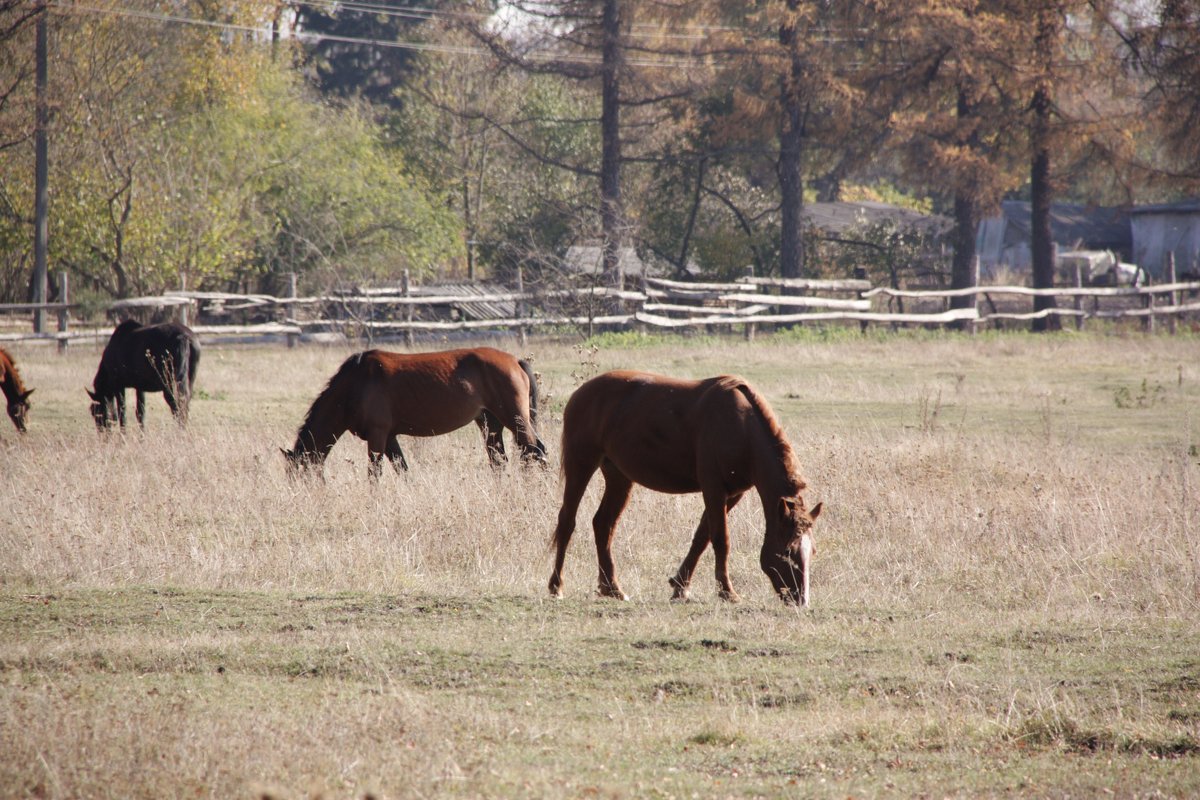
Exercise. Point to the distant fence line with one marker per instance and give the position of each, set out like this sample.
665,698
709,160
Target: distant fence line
660,303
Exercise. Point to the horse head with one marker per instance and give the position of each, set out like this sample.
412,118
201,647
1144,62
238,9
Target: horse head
787,550
299,461
18,410
99,409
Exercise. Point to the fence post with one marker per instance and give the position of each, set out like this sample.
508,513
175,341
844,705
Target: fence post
519,306
64,297
974,328
1149,304
1172,297
183,308
291,337
1078,298
408,313
860,273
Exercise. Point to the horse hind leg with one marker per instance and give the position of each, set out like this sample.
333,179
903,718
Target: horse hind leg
617,488
577,474
172,403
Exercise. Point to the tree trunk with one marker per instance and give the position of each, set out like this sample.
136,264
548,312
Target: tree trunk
790,167
1042,194
966,224
611,212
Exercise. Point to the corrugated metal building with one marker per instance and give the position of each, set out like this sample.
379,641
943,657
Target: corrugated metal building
1167,228
1004,240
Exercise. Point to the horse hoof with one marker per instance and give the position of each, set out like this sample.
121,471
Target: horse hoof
612,592
730,596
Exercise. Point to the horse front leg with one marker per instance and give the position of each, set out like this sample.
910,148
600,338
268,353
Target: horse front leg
140,408
121,408
493,437
682,579
617,488
377,445
715,508
396,455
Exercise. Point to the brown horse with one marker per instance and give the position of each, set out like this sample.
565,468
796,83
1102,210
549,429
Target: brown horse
716,436
377,395
14,391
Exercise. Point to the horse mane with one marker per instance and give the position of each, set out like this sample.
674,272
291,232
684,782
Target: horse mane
334,385
778,440
127,325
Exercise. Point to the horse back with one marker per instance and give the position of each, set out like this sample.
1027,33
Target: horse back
137,356
426,394
665,433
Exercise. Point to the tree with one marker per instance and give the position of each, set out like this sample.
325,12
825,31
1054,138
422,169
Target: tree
185,153
1163,51
955,129
364,50
634,67
513,209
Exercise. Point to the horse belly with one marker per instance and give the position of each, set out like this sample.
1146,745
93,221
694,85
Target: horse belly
668,475
433,417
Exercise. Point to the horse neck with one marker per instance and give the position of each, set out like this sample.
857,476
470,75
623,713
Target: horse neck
776,470
324,425
10,382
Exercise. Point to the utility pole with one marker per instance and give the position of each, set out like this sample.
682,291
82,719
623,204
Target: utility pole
41,178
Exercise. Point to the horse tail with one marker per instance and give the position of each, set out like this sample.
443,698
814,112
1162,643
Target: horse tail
193,361
539,445
533,390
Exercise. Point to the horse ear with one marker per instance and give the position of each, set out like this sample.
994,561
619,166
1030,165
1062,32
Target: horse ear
25,396
91,394
815,511
786,506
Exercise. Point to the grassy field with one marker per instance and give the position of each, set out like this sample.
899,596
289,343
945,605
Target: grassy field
1006,590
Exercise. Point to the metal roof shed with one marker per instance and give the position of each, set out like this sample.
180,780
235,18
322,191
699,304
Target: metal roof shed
1167,228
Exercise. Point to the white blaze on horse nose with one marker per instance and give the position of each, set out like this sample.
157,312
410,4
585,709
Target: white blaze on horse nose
806,551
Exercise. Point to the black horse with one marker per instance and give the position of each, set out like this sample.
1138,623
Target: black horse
147,358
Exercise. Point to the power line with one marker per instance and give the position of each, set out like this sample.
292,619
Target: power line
309,37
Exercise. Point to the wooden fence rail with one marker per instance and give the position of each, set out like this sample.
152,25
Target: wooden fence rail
661,303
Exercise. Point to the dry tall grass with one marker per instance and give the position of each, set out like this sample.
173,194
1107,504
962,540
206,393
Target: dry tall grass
999,473
1036,482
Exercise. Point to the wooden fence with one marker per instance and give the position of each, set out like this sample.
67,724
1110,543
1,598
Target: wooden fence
659,304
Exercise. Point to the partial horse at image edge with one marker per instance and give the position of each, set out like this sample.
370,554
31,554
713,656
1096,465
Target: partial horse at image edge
14,391
716,436
379,395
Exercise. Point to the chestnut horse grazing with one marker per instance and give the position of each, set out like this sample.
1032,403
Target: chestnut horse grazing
717,437
377,395
147,358
14,391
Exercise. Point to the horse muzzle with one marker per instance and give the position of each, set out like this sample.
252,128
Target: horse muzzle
789,572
